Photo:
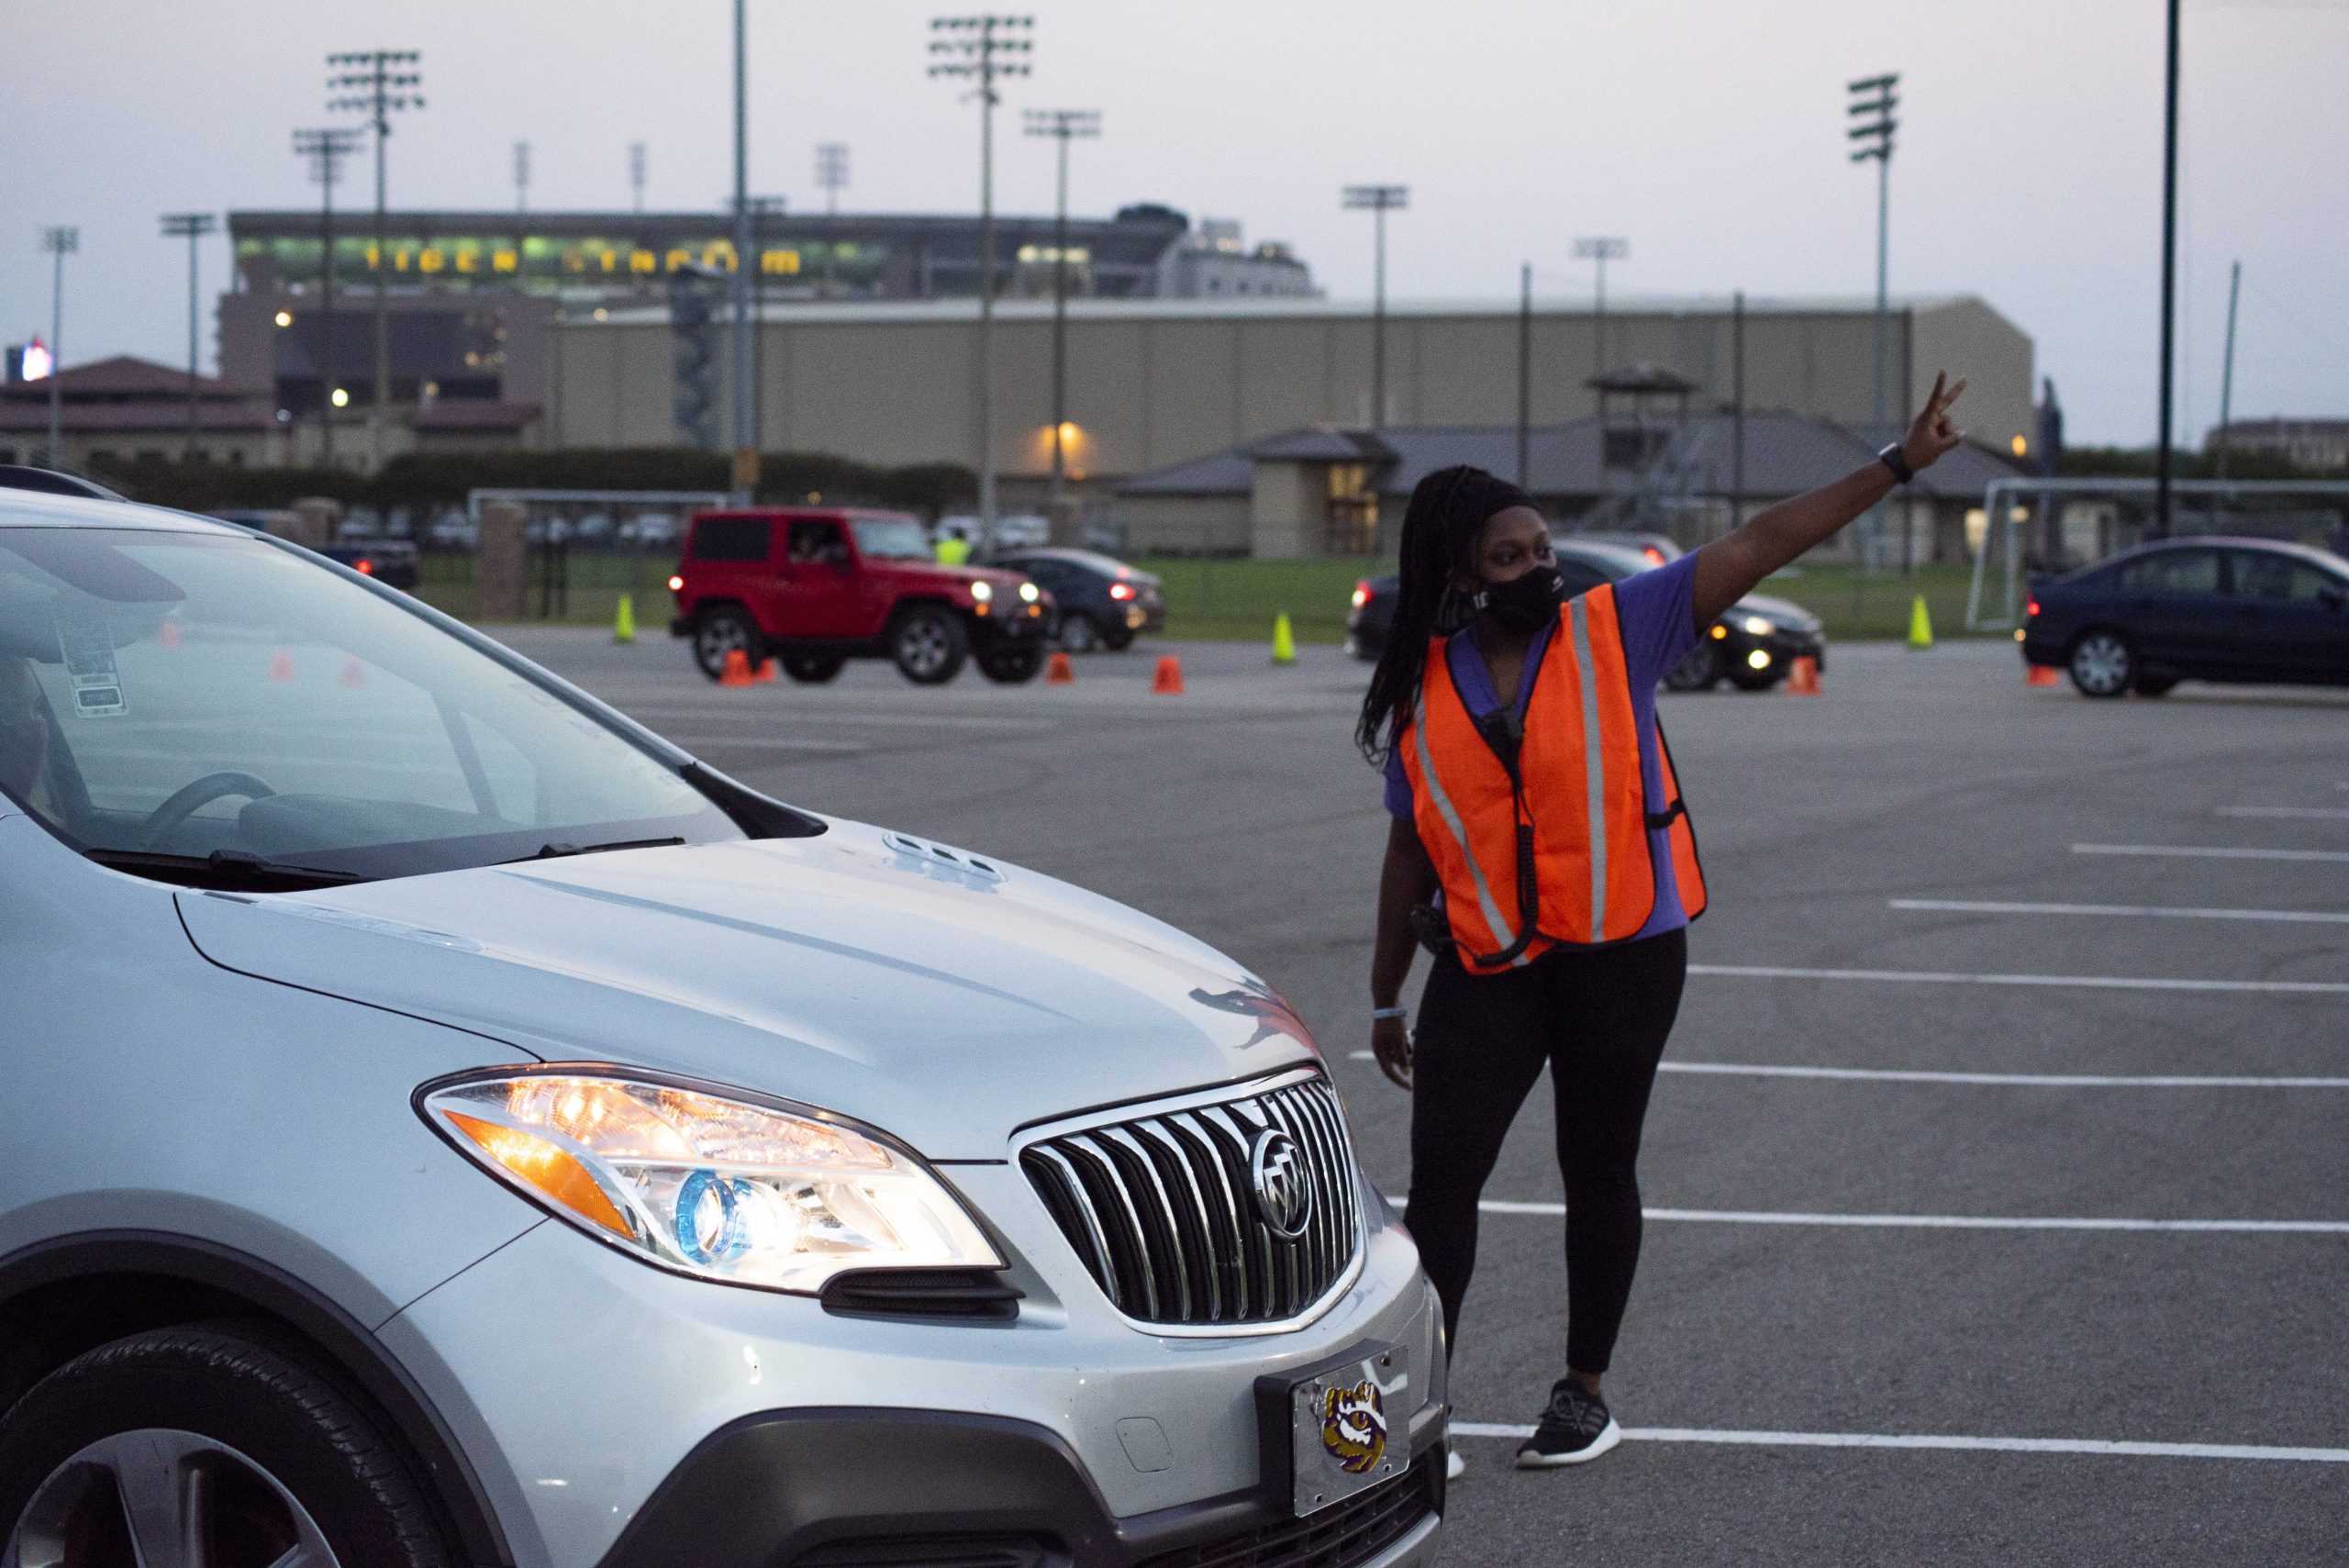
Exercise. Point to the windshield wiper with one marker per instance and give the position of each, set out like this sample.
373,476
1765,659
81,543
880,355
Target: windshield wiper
238,868
563,852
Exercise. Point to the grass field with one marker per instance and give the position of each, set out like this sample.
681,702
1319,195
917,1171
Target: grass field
1237,600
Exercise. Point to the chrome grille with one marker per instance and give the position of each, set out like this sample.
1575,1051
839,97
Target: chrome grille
1161,1207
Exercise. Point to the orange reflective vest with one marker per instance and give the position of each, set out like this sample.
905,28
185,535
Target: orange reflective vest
1549,845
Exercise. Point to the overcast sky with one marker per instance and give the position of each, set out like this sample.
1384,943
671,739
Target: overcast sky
1709,133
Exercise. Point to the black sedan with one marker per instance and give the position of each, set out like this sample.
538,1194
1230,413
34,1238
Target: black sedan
2209,609
1754,647
1104,603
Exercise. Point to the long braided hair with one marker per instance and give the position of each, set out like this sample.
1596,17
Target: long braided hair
1448,511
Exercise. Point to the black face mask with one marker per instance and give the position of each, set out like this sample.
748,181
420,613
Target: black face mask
1525,603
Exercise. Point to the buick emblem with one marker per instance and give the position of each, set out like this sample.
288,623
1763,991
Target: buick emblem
1283,1189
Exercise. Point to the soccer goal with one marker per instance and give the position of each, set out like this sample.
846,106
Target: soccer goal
2027,525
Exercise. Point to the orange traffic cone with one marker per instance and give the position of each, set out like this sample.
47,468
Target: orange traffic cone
1169,678
2040,675
737,670
1059,671
1802,680
281,666
768,674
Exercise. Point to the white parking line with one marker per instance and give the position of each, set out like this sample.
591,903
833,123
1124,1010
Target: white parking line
2308,813
2202,852
1943,1222
1935,1440
2081,982
2118,911
1998,1080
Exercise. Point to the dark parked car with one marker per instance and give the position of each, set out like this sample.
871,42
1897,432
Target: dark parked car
2211,609
1103,602
1754,646
391,561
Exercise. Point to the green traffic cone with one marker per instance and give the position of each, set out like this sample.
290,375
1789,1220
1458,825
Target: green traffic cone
1920,624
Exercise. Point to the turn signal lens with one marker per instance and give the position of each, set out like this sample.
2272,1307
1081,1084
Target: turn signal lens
547,1168
2032,609
1719,630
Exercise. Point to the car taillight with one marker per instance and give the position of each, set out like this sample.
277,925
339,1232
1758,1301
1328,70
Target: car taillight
1655,556
363,566
1121,591
676,585
2032,609
1362,594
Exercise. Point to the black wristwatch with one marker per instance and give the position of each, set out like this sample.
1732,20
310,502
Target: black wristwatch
1890,457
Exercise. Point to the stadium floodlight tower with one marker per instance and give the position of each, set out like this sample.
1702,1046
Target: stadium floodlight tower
981,48
1064,125
635,176
60,243
1380,200
325,146
831,174
378,83
190,227
1872,103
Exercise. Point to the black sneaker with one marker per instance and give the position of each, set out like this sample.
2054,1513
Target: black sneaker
1575,1429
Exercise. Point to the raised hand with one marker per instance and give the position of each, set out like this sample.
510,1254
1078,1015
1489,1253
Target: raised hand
1934,434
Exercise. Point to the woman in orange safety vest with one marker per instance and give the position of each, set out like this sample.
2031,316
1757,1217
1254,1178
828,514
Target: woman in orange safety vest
1540,848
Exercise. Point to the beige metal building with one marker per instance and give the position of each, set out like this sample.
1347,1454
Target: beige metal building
1156,382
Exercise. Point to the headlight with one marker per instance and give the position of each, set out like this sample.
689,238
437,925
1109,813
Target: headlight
713,1187
983,592
1757,625
1030,592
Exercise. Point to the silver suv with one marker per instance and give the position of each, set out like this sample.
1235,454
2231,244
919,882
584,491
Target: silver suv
448,1124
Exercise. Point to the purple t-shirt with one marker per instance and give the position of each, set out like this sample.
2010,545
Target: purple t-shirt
1654,610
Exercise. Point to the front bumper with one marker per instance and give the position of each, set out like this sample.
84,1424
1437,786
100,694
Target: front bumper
1783,646
781,1488
581,1382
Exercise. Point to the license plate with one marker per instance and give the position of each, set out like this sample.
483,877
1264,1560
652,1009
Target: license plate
1340,1429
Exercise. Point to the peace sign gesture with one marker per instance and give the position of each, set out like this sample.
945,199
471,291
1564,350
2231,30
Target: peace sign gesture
1934,434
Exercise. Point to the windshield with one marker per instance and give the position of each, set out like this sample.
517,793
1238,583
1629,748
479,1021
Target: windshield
193,695
890,538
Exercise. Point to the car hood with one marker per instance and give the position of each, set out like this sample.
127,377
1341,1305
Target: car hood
949,1001
1782,610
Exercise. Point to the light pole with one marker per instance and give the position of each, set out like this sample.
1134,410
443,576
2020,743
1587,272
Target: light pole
1601,248
831,174
60,243
1871,101
2169,278
762,209
521,178
190,227
1380,200
746,444
981,48
2227,374
376,83
1064,125
635,176
326,148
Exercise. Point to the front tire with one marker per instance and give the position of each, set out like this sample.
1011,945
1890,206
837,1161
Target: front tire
1078,634
1117,639
929,644
812,669
727,629
1697,671
2102,664
1011,666
213,1443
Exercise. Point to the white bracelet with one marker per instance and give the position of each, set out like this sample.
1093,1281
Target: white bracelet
1380,1015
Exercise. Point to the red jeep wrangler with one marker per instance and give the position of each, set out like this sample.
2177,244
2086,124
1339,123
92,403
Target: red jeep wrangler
817,587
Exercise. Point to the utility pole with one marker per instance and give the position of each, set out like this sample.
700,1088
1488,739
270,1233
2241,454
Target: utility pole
1872,103
1601,248
60,243
1524,371
762,209
326,148
1380,200
190,227
1737,416
981,48
521,178
2169,280
1064,125
746,440
377,83
635,176
2227,376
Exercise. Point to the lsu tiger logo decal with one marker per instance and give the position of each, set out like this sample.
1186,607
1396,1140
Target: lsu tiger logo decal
1353,1427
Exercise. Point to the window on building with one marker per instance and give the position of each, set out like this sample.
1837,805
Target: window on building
1353,510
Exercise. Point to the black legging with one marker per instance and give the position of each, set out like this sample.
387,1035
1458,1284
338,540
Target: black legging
1599,1017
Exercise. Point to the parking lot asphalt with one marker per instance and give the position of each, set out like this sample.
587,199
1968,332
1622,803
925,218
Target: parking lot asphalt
2007,1119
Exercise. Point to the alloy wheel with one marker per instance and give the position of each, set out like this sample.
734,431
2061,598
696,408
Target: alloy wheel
165,1498
2101,665
921,646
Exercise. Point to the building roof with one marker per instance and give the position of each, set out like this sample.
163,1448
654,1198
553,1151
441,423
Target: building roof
121,376
124,394
1785,454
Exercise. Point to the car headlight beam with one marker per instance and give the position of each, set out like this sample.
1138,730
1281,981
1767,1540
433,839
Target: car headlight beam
1758,626
704,1184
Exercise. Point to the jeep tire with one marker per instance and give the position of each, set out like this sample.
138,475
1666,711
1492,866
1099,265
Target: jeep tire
812,669
929,643
723,629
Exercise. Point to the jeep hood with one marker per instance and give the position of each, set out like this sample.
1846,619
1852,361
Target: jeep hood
949,1001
